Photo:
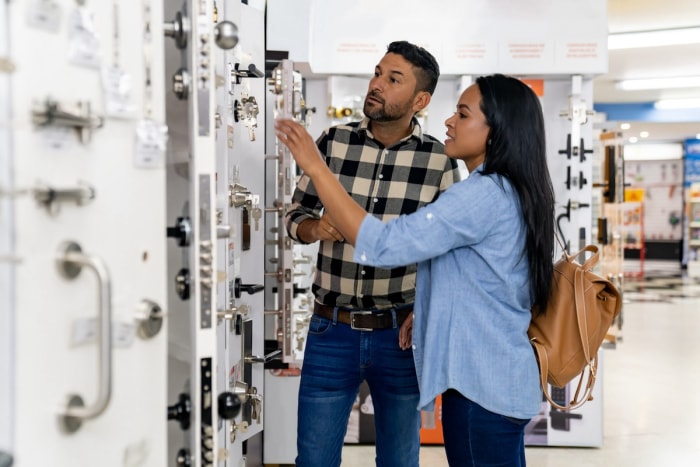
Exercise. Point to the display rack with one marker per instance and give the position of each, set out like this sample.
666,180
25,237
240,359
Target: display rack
632,227
694,231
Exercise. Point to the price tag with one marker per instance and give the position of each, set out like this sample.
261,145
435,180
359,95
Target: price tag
44,14
151,143
83,44
117,85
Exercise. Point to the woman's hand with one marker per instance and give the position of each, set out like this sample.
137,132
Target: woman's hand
299,141
406,333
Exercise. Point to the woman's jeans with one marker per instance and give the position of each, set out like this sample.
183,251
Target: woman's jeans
336,360
475,437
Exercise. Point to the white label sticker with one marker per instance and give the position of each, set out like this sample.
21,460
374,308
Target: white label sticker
116,84
151,142
44,14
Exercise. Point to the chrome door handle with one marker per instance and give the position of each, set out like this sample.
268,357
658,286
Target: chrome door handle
70,262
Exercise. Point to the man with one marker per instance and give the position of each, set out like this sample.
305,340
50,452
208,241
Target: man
360,329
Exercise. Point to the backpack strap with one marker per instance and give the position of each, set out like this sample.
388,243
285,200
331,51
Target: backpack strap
578,399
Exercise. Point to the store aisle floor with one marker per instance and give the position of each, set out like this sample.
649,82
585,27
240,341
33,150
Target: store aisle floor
651,387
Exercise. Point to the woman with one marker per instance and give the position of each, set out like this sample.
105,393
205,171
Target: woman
484,252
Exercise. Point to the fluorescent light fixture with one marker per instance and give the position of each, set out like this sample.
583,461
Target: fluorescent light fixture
656,38
658,83
677,103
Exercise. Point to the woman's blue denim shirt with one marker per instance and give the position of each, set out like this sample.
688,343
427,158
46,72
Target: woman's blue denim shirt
473,299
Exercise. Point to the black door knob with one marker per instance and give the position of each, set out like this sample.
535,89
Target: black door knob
182,231
229,405
181,411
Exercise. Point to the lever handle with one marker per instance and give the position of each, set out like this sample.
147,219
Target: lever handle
247,288
274,355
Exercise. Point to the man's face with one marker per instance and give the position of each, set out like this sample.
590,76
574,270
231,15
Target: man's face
392,90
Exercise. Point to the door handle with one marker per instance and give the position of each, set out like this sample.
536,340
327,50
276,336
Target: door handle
70,262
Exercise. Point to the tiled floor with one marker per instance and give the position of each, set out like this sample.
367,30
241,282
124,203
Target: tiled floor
651,385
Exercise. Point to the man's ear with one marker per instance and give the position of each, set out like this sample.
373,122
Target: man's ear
421,101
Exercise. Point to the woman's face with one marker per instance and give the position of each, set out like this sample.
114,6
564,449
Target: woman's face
467,130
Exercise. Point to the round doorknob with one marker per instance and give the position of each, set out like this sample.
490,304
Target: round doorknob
180,411
226,35
229,405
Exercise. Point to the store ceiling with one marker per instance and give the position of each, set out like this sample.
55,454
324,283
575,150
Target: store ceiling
652,62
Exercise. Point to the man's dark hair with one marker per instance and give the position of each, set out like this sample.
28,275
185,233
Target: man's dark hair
427,70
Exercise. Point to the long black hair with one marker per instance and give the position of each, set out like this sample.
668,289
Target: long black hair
516,150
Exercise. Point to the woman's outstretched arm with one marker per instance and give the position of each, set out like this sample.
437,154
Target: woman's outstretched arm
345,213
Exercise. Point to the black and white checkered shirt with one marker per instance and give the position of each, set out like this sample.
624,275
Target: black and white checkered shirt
387,182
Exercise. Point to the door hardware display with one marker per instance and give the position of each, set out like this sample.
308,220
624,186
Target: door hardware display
229,405
247,110
178,29
575,151
70,262
182,283
182,83
226,35
247,288
570,205
182,231
245,229
579,181
223,231
51,198
206,411
78,117
613,168
251,72
183,458
239,196
233,313
577,113
286,85
150,318
83,158
181,411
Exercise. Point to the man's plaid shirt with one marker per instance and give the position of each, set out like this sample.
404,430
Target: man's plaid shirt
387,182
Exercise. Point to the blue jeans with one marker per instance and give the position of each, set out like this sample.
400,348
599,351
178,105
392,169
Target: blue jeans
336,360
475,437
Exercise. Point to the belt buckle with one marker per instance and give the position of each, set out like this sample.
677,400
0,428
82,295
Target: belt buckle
352,320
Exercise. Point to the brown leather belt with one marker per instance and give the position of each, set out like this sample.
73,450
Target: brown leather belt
366,320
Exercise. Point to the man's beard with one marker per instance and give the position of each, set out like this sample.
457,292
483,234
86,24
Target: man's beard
381,112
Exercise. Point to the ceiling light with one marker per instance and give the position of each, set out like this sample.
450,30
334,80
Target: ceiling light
643,134
658,83
677,103
633,139
625,126
657,38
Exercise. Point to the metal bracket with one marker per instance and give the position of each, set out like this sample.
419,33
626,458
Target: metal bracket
81,119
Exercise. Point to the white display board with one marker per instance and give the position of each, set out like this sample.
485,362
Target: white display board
82,163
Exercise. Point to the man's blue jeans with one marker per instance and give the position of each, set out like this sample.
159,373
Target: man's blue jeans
336,360
475,436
